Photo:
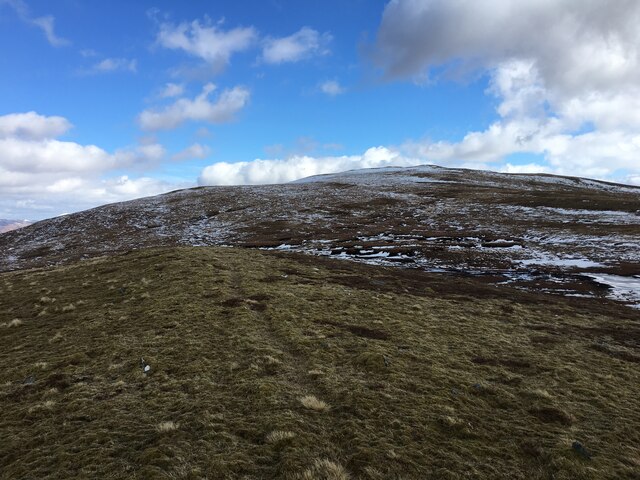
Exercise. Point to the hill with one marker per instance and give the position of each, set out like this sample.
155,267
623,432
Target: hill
552,234
380,324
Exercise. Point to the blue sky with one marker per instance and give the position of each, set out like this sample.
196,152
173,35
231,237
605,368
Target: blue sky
106,101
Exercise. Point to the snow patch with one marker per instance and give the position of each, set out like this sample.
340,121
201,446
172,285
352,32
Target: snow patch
625,289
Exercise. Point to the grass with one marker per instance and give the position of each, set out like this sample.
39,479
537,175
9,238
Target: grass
313,403
167,426
278,436
427,376
325,470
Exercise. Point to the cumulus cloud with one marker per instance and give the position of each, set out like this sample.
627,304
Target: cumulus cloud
32,126
208,42
332,88
578,44
223,110
570,93
192,152
301,45
45,23
285,170
37,169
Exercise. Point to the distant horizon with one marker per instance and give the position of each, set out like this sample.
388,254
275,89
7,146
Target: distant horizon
110,102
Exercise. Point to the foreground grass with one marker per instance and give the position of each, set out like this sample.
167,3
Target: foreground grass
273,366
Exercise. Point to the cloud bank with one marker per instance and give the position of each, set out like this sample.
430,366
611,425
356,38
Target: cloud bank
41,175
286,170
570,92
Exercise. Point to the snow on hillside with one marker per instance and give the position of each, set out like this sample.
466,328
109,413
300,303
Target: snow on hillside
530,231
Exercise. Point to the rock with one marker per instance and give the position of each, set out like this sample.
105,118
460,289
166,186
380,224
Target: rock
146,368
580,450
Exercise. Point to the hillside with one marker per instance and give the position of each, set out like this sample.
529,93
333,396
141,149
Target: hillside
273,365
553,234
380,324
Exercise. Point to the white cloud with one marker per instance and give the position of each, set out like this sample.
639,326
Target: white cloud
32,126
194,151
223,110
51,156
285,170
122,188
71,194
301,45
578,44
208,42
109,65
526,168
22,160
45,23
172,90
570,93
332,88
38,171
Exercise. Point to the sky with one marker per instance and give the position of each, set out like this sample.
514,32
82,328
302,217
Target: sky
109,101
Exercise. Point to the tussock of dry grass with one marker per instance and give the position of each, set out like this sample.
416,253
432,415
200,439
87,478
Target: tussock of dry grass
168,426
461,388
325,470
313,403
47,405
278,436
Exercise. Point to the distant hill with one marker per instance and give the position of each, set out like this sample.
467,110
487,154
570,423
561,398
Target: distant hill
8,225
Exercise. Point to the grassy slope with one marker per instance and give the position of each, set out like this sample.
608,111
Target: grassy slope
424,376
